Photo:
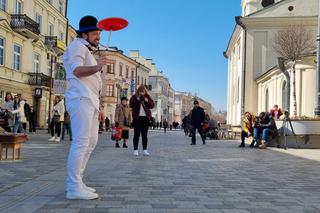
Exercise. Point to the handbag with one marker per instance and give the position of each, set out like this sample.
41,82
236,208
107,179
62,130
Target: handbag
150,118
56,118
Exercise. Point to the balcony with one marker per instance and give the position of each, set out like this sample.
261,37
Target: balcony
25,26
39,79
53,42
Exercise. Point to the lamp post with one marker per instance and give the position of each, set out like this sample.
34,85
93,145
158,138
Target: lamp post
317,110
52,60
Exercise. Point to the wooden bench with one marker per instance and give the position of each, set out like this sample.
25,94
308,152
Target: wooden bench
12,141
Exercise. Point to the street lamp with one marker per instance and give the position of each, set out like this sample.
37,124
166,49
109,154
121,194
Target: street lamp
53,59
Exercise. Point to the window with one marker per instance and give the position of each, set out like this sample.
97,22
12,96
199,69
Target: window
36,63
120,70
1,51
16,57
18,8
3,5
284,96
49,66
110,68
267,100
38,20
138,77
60,7
110,91
61,36
127,72
51,30
132,74
145,81
50,1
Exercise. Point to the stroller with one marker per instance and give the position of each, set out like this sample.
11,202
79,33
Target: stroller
210,129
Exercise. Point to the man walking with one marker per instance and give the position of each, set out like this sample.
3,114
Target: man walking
82,103
197,119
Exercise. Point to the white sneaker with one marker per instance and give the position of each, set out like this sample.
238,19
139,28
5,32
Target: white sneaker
89,189
57,139
146,153
82,195
52,139
135,152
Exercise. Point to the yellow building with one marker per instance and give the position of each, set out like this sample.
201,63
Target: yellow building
32,37
120,78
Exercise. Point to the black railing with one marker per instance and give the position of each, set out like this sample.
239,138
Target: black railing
51,41
22,21
39,79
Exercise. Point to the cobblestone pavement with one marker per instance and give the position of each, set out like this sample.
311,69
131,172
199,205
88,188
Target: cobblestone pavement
177,177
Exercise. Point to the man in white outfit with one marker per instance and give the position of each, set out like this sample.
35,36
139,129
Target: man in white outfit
82,103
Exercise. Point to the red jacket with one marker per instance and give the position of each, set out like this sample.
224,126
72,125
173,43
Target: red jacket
273,113
135,105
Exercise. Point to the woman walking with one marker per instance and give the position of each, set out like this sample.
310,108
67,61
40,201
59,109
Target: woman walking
8,107
57,118
19,117
124,118
141,103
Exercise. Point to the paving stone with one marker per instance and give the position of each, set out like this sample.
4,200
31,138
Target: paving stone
176,177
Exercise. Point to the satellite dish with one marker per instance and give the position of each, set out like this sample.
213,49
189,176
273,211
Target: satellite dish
266,3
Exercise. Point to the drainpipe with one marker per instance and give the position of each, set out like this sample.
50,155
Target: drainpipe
244,63
67,31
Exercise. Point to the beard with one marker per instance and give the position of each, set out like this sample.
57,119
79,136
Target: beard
95,43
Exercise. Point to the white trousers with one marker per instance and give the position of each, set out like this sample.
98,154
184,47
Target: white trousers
84,126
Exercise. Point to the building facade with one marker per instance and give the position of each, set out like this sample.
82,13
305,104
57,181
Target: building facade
183,102
255,82
32,36
159,89
121,77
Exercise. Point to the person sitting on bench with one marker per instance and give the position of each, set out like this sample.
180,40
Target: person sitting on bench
247,128
264,125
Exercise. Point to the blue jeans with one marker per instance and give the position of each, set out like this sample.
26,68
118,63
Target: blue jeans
257,131
17,127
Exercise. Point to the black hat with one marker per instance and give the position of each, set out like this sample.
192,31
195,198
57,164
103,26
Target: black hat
123,98
87,24
195,102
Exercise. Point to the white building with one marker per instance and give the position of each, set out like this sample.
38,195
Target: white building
255,82
160,89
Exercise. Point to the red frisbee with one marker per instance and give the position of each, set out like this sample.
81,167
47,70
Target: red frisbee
112,24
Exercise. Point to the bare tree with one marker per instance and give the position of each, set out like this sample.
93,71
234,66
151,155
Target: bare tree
293,43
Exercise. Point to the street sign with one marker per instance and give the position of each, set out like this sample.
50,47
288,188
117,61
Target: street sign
38,92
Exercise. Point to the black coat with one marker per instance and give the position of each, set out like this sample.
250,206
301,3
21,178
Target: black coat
197,116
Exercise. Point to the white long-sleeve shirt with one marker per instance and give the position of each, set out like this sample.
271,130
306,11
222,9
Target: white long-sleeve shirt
76,55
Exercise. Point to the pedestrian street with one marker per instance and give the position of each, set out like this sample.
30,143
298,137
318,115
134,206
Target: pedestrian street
176,177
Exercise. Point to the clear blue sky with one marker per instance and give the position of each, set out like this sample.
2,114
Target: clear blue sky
185,38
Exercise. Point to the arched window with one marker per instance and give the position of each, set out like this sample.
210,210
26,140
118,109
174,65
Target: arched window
284,96
267,101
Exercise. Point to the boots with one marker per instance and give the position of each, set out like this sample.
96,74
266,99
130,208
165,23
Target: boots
242,144
117,145
263,145
252,144
124,145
